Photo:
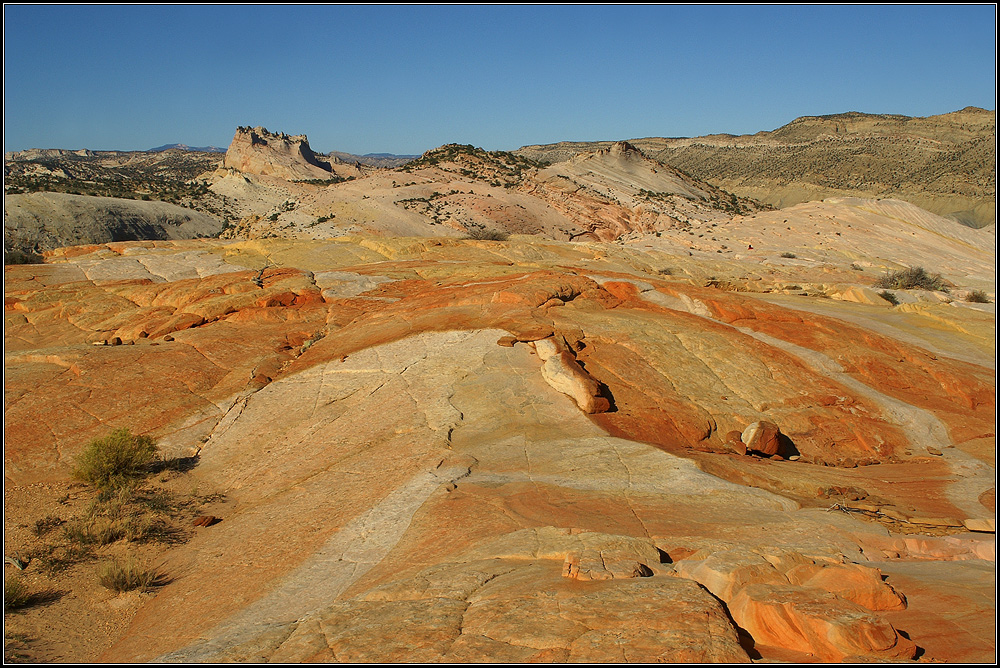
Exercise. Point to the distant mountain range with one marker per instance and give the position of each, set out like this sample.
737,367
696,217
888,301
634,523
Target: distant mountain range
185,147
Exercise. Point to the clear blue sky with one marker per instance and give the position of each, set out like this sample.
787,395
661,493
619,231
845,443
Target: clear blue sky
404,79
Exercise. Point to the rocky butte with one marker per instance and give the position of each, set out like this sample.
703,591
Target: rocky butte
257,151
482,409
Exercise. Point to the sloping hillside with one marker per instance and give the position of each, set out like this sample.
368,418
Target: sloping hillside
945,163
45,220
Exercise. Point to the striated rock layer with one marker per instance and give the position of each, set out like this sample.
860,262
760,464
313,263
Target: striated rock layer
412,478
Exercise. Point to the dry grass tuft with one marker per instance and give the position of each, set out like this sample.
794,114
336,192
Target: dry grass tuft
128,575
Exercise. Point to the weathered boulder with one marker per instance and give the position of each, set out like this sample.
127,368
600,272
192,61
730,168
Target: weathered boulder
762,437
561,370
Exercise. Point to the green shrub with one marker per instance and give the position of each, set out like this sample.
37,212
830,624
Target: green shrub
889,297
115,461
15,593
977,297
126,576
788,255
915,278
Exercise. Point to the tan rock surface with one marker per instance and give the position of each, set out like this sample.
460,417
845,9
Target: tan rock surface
820,624
392,472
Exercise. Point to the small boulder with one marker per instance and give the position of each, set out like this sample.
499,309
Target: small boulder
734,443
762,437
205,521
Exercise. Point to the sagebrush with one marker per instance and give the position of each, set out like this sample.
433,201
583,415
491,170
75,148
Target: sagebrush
15,593
914,278
889,297
115,461
978,297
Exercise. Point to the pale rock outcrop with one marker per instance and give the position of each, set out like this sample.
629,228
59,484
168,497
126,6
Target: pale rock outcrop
725,573
586,555
561,370
257,151
860,295
814,605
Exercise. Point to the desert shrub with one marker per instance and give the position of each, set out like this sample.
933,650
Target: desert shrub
115,461
20,257
977,297
856,267
128,575
889,297
15,593
788,255
914,278
483,234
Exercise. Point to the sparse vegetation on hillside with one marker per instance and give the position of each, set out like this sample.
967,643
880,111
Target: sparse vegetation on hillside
334,178
889,297
915,278
941,163
498,168
169,176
